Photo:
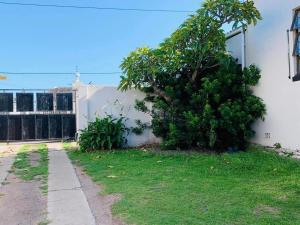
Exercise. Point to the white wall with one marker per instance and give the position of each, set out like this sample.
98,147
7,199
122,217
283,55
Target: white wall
268,49
234,47
97,101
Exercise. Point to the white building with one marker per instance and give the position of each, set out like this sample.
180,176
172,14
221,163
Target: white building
274,46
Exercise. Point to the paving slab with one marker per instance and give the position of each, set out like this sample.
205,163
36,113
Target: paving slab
67,203
5,165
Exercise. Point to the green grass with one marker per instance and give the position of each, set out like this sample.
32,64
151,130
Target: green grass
69,145
254,187
44,222
27,172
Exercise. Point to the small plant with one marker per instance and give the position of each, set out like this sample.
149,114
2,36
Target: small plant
288,154
277,146
103,134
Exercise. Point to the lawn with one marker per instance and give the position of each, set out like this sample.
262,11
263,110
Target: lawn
23,168
253,187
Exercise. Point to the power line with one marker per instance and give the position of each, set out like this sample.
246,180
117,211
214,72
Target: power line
60,73
107,73
95,7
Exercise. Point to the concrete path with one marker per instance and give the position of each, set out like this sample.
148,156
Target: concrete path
6,162
67,204
5,165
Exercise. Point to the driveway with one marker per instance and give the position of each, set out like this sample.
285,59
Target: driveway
72,197
21,202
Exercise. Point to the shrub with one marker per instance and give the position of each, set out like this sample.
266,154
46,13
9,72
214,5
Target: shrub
277,146
201,96
103,134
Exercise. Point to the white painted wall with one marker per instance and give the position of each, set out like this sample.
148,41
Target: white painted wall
268,49
234,47
97,101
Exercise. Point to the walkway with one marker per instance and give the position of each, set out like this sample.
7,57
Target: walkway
7,156
67,203
21,202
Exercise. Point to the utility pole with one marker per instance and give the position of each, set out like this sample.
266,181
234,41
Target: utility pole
77,75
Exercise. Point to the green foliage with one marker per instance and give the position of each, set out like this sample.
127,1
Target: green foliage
200,96
277,146
28,172
141,106
140,127
103,134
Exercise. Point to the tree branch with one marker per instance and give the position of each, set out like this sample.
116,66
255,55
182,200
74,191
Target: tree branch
162,94
158,91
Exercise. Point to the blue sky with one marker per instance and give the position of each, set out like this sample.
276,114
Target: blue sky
58,40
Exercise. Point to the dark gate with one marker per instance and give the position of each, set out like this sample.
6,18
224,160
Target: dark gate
37,114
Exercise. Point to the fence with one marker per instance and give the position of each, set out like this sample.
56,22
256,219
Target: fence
35,114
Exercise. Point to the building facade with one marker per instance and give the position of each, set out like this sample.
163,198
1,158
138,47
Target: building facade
274,46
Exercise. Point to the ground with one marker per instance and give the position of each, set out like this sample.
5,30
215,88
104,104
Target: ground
23,191
146,187
40,186
254,187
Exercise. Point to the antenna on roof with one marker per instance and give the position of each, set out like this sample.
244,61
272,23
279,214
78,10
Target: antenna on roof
77,75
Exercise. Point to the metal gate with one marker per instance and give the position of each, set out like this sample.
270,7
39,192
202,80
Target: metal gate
37,114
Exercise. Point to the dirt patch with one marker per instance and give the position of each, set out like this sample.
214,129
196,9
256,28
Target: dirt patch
6,150
22,202
100,205
266,209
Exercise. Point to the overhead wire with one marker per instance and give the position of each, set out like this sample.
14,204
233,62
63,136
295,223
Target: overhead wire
59,73
95,7
84,8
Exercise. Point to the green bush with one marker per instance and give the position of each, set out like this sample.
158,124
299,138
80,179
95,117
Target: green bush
103,134
201,97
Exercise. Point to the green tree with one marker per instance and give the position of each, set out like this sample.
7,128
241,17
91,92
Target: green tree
201,97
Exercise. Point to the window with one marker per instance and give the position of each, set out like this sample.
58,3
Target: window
64,101
296,21
24,102
44,101
296,52
6,102
297,46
